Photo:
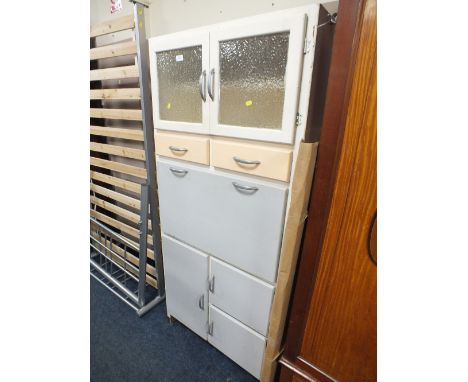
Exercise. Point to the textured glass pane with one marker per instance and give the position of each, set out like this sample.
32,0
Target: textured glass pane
252,80
178,74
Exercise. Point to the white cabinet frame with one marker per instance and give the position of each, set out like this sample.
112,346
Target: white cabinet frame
174,41
287,21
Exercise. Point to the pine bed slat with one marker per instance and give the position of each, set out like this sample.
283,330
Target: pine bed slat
120,93
126,152
127,200
120,24
117,132
127,114
117,73
113,50
119,167
117,182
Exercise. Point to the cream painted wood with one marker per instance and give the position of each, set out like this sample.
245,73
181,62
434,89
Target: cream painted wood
279,22
183,146
273,162
209,210
241,295
237,341
186,274
178,41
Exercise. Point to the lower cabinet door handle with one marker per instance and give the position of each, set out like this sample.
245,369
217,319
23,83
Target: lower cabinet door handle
178,172
211,284
210,328
201,302
244,188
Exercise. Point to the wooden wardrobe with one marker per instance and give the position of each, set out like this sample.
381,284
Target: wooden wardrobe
331,329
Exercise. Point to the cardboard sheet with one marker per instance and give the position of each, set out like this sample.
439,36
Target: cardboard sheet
300,191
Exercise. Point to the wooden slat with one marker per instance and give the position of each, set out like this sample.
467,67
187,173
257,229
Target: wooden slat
121,183
113,50
127,200
150,280
117,73
119,225
120,24
121,93
117,132
122,151
127,114
120,167
122,212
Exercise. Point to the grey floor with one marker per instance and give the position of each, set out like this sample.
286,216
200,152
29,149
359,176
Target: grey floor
127,348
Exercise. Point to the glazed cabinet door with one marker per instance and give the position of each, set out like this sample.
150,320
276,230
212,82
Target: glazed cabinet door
179,64
186,273
254,78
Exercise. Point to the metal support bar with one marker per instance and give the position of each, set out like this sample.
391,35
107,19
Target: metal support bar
150,306
148,131
143,225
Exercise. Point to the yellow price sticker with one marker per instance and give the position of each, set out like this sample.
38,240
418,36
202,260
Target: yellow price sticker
168,106
248,103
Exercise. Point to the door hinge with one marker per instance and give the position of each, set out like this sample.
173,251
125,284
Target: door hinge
298,119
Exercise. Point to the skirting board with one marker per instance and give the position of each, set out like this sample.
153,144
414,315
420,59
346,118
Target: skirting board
297,215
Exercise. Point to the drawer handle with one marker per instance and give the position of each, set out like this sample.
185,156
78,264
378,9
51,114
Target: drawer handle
201,302
178,172
240,187
246,161
210,328
211,284
178,149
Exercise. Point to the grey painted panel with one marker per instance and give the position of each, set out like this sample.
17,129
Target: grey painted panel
186,274
237,341
241,295
204,209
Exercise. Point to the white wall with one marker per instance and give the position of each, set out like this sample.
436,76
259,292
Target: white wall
167,16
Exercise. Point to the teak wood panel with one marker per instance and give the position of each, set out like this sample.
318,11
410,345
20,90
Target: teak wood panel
121,72
113,50
117,132
127,114
117,182
120,24
118,94
119,167
340,332
122,151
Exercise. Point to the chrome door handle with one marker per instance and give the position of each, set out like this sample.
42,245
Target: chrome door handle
202,85
178,149
178,172
211,83
211,284
244,188
201,302
246,161
210,328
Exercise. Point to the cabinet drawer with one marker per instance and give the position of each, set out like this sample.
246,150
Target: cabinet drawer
217,214
241,295
237,341
268,161
185,147
186,274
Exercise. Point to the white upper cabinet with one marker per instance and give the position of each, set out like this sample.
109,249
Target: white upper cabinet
255,72
179,65
236,79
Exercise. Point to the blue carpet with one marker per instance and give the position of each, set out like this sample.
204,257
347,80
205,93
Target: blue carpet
126,348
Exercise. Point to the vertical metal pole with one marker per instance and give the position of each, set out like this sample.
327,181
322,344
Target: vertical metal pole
143,225
147,111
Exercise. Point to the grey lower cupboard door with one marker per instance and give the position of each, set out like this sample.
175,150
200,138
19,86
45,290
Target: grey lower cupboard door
186,273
